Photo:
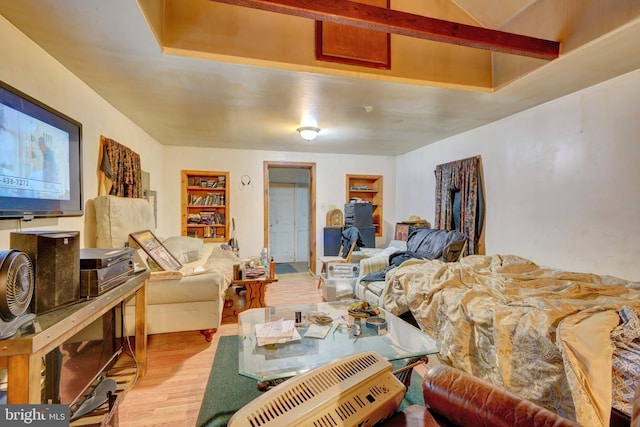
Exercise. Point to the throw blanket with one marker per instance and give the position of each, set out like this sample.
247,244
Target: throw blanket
222,261
541,333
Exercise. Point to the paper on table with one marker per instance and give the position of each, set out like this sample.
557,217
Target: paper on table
317,331
280,331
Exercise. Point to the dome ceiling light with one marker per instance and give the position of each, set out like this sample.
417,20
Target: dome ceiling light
308,133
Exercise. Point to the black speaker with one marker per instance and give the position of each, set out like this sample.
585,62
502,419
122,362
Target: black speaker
55,256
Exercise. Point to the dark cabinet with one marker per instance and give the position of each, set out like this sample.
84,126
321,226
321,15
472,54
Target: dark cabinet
358,215
332,237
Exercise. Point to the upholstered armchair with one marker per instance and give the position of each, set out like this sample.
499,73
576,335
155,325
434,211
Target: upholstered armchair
455,398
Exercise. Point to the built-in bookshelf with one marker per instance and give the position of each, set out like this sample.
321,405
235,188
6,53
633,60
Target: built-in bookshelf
367,188
205,205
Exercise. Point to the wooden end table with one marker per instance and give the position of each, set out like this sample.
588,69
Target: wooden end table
255,290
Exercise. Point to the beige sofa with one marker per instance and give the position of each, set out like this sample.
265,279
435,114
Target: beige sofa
426,243
190,299
373,292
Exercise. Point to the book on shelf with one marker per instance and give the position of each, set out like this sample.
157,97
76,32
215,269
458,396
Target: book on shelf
209,199
211,217
194,218
214,182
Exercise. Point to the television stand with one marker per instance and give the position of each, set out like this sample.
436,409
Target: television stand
22,354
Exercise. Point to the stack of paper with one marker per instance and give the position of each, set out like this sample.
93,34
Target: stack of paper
317,331
277,332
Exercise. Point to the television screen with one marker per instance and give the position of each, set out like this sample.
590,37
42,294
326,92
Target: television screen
40,159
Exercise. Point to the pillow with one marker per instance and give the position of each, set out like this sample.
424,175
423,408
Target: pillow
184,249
116,217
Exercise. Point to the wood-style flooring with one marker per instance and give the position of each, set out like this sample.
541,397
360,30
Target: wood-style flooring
178,364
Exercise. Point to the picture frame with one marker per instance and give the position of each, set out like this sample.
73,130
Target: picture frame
402,232
150,244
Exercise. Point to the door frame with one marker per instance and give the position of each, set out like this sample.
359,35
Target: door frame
311,169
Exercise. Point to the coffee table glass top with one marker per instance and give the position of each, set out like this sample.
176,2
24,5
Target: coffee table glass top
399,340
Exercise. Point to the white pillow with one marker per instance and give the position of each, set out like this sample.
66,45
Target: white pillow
117,217
185,249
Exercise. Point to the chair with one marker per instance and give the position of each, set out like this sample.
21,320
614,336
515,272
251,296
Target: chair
455,398
339,258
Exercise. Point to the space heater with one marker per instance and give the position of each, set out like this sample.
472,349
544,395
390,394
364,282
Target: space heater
358,390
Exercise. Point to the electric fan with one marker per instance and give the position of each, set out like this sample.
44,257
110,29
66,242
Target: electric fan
16,291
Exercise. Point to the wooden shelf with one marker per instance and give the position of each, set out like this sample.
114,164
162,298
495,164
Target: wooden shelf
22,353
368,188
205,194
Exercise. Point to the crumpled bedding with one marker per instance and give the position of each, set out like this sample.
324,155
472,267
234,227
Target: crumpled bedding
626,360
222,260
542,333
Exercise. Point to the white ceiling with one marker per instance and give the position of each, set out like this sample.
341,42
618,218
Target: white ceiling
182,100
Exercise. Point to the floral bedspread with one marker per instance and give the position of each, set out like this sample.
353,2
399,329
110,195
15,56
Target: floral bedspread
541,333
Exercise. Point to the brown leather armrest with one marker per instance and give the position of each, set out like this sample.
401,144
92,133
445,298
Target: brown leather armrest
469,402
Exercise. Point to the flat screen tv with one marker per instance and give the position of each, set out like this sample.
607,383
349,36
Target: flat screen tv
40,159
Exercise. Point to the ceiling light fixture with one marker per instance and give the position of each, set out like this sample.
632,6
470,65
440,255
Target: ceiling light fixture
308,133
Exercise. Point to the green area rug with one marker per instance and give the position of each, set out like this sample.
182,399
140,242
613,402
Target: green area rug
285,268
291,267
227,391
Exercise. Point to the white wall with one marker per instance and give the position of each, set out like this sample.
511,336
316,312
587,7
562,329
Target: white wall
561,180
247,203
30,69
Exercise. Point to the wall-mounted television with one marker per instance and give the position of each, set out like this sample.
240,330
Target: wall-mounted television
40,159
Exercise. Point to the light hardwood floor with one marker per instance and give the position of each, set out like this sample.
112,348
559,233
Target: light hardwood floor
179,363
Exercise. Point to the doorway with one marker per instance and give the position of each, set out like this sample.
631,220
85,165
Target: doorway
289,212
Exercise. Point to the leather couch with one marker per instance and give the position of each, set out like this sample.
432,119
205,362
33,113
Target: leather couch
455,398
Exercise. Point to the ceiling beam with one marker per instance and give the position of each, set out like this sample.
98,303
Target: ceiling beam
407,24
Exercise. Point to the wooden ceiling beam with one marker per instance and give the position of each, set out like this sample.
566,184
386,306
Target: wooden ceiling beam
407,24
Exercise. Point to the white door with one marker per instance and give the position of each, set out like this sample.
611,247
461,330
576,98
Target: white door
282,213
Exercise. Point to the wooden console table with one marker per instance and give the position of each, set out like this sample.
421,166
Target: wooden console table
22,354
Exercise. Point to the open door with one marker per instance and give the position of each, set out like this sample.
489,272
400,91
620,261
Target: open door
283,217
289,212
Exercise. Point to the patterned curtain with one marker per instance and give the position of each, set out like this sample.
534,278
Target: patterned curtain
120,172
461,177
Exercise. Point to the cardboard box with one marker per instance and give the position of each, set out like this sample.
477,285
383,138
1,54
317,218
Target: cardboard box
334,289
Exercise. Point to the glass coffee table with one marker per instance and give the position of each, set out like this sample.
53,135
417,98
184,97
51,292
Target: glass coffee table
397,340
